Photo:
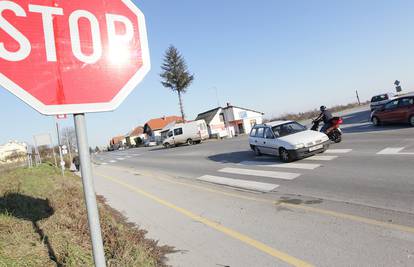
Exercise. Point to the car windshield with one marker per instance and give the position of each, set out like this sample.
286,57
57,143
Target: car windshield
379,98
288,129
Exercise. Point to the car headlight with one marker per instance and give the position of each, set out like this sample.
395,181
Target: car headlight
299,146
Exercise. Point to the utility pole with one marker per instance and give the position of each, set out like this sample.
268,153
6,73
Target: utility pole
62,162
357,95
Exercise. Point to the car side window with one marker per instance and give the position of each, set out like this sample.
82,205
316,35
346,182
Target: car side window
405,102
269,134
260,132
178,131
253,132
170,134
392,104
276,131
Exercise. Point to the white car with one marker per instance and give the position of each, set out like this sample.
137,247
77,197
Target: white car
287,139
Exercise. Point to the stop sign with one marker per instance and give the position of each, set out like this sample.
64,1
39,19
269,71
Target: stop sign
77,56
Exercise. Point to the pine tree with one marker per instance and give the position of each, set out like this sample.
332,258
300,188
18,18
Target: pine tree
176,75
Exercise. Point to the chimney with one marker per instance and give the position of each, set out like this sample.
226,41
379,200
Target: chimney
228,104
163,117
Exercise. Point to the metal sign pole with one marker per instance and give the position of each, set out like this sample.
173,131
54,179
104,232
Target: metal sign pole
62,162
89,192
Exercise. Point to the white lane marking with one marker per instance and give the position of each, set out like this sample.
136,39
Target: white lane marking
303,166
120,158
394,151
136,155
104,163
112,161
338,151
322,158
243,184
270,174
128,157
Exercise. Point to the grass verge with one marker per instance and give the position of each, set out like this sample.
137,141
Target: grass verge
43,222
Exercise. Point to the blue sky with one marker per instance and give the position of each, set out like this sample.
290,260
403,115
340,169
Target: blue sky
269,55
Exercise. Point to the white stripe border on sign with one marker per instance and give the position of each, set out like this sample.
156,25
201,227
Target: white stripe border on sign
243,184
269,174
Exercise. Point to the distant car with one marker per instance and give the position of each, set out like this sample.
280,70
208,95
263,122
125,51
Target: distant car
379,101
287,139
399,110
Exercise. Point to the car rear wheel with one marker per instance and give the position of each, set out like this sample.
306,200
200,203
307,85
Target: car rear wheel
167,145
284,155
376,121
190,142
412,121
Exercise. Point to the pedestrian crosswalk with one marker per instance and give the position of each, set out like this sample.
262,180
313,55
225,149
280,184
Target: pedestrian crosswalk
259,170
303,166
268,174
242,184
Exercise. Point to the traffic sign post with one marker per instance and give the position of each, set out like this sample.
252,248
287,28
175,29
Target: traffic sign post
74,57
89,191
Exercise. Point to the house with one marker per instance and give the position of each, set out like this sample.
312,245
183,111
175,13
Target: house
13,151
137,132
153,127
215,122
230,120
241,120
117,142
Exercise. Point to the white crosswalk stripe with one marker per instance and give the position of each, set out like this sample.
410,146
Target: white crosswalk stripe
269,174
243,184
394,151
338,151
112,161
120,158
303,166
104,163
322,158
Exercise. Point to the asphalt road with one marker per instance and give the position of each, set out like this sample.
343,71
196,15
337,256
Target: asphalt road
351,206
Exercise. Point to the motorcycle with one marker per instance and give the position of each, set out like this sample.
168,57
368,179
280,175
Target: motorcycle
334,132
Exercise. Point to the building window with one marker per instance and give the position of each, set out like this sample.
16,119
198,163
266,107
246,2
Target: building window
221,117
253,123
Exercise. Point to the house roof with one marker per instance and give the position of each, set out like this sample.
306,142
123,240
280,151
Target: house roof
117,139
159,123
136,131
231,106
208,116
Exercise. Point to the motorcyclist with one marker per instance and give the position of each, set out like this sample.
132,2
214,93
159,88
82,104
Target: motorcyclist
326,117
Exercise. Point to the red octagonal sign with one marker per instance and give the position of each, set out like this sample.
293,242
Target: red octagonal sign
72,56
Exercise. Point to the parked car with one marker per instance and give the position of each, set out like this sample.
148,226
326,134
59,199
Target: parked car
378,101
399,110
186,133
287,139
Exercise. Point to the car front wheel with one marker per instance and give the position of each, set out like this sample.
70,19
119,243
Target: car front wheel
375,121
412,121
284,155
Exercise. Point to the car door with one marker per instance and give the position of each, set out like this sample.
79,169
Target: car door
270,142
260,140
178,136
403,111
390,112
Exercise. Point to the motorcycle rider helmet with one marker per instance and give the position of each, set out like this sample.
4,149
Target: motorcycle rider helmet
322,108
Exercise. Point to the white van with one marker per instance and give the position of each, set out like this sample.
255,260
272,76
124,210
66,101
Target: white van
186,133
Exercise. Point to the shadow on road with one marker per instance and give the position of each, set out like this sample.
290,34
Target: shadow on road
234,157
30,209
